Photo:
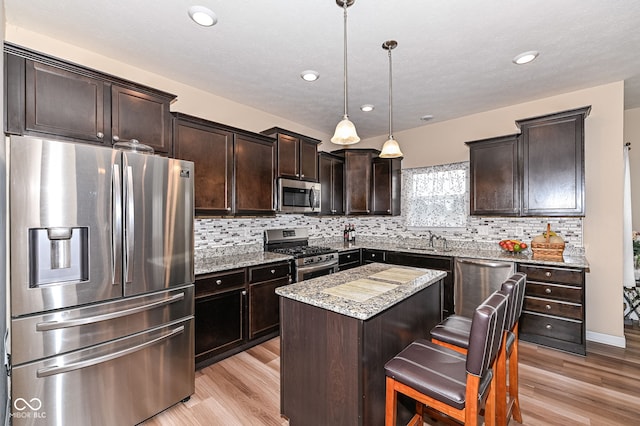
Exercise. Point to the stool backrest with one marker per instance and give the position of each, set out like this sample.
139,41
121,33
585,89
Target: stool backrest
514,288
486,333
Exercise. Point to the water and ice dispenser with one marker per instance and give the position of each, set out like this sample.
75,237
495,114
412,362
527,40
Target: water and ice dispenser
58,255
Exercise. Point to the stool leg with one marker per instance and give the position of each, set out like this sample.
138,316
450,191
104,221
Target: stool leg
490,405
513,379
502,412
390,403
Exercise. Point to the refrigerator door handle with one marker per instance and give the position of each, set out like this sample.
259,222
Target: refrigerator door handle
56,325
116,226
130,225
59,369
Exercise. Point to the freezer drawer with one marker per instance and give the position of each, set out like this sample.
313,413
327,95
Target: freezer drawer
122,382
53,333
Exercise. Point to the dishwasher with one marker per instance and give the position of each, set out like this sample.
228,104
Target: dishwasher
475,280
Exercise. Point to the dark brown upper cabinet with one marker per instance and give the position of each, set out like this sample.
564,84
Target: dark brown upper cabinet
234,168
331,174
493,176
539,172
553,164
297,154
371,184
48,97
142,116
254,174
385,186
211,149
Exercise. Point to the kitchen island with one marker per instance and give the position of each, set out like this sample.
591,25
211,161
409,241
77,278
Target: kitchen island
338,331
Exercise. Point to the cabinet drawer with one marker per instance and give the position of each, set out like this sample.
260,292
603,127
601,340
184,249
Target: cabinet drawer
548,326
557,275
269,272
373,255
551,307
554,291
210,283
349,256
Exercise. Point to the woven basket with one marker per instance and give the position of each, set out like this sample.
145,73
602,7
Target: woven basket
547,250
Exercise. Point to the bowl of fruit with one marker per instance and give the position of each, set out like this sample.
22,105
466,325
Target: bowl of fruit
513,246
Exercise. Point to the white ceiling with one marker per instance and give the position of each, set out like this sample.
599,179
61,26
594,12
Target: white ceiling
453,56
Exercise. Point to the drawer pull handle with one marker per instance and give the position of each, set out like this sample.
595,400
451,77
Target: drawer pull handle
273,271
218,282
547,290
548,326
548,307
373,255
547,274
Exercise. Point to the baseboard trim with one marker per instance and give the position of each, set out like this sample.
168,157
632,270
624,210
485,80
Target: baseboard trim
607,339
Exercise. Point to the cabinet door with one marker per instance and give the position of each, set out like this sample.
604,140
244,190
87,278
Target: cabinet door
211,150
330,174
494,177
219,323
358,182
64,103
385,186
288,156
141,116
308,160
553,165
264,309
254,175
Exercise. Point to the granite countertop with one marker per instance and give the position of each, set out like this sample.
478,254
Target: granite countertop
575,261
362,292
206,265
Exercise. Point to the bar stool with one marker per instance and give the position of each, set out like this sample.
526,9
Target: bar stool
446,381
454,331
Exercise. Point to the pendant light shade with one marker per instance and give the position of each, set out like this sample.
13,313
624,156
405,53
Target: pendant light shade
345,133
390,149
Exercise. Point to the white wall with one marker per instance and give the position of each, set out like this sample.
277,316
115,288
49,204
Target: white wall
440,143
632,134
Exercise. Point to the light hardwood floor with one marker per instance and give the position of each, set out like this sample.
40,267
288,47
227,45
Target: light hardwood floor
556,388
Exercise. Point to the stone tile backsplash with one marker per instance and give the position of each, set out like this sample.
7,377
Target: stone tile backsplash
228,236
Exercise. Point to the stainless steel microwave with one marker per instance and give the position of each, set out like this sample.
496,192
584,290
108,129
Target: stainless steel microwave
296,196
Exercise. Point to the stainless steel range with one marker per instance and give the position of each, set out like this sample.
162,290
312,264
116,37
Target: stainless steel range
308,261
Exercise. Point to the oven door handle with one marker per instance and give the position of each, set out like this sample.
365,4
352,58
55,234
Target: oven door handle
317,266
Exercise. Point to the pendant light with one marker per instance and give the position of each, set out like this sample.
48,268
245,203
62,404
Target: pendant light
345,133
390,149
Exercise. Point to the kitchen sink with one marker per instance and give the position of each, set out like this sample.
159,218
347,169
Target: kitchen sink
430,249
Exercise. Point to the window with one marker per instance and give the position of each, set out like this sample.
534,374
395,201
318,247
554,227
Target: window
436,196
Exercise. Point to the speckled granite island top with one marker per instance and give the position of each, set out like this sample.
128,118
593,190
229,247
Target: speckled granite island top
388,285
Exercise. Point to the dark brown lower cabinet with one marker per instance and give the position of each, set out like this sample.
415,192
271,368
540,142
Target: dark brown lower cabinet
553,312
264,310
237,309
349,259
332,365
219,323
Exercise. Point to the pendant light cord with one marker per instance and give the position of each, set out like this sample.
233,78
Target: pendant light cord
390,100
345,60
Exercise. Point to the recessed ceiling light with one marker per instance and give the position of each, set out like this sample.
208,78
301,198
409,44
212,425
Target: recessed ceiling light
310,75
203,16
426,117
367,108
525,57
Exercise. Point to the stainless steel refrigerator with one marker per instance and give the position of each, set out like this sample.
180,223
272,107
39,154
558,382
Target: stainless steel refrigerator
101,283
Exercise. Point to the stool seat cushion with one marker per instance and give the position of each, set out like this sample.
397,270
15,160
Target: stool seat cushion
454,330
435,371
